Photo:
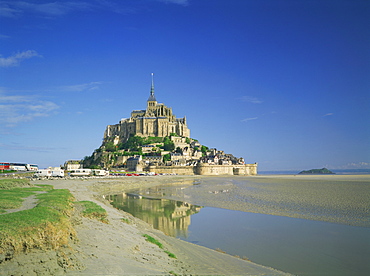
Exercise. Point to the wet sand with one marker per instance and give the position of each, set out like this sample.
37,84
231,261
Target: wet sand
343,199
119,248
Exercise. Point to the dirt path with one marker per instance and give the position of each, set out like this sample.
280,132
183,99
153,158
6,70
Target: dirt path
28,203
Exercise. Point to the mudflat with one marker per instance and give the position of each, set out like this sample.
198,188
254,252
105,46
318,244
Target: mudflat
343,199
119,248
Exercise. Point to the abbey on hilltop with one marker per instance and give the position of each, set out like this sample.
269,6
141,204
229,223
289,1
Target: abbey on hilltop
154,140
157,121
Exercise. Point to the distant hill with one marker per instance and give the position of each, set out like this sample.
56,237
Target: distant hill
317,171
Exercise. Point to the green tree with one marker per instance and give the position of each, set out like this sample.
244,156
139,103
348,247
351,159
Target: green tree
95,167
178,150
152,140
167,157
204,149
133,143
169,146
109,146
166,139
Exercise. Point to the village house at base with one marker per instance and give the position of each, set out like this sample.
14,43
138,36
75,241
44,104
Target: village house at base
186,156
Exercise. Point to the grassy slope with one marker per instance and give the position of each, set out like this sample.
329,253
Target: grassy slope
46,226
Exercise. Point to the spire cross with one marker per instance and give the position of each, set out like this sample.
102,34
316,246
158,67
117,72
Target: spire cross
152,88
152,97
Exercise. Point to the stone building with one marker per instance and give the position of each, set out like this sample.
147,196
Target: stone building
186,156
156,120
72,165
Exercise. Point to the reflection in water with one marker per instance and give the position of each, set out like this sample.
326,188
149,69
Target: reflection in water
169,216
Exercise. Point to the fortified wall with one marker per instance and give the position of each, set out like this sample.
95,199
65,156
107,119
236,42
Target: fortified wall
206,169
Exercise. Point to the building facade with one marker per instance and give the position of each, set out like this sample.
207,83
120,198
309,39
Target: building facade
156,120
177,154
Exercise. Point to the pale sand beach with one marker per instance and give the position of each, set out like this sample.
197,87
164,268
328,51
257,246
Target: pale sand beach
343,199
119,248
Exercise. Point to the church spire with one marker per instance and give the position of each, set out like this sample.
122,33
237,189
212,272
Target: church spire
152,97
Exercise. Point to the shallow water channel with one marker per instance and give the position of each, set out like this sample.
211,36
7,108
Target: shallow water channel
297,246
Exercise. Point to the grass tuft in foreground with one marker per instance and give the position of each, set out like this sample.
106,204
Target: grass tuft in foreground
171,255
126,220
153,240
13,198
93,210
46,226
160,245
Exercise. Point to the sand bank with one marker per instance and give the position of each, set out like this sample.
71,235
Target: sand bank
340,199
119,248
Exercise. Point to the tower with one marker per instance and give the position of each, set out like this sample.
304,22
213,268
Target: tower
152,102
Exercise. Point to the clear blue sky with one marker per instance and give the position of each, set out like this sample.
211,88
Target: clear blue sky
284,83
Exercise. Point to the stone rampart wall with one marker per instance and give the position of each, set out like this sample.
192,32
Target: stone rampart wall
206,169
180,170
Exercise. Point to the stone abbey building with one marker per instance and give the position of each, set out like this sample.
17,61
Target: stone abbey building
157,120
187,156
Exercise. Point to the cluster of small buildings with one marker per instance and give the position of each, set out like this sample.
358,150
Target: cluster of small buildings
187,154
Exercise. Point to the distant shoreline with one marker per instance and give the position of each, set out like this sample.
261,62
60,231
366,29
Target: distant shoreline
339,172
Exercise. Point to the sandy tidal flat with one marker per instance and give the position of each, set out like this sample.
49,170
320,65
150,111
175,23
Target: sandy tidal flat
119,248
343,199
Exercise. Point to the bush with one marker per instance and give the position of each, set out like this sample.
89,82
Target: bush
153,140
109,146
204,149
168,145
133,143
166,157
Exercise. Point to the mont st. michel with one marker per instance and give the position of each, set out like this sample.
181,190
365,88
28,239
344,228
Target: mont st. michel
154,140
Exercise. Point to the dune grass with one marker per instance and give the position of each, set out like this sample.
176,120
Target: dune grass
93,210
9,183
13,198
153,240
126,220
46,226
159,244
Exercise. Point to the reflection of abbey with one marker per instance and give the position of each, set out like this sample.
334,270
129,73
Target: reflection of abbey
154,140
170,216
